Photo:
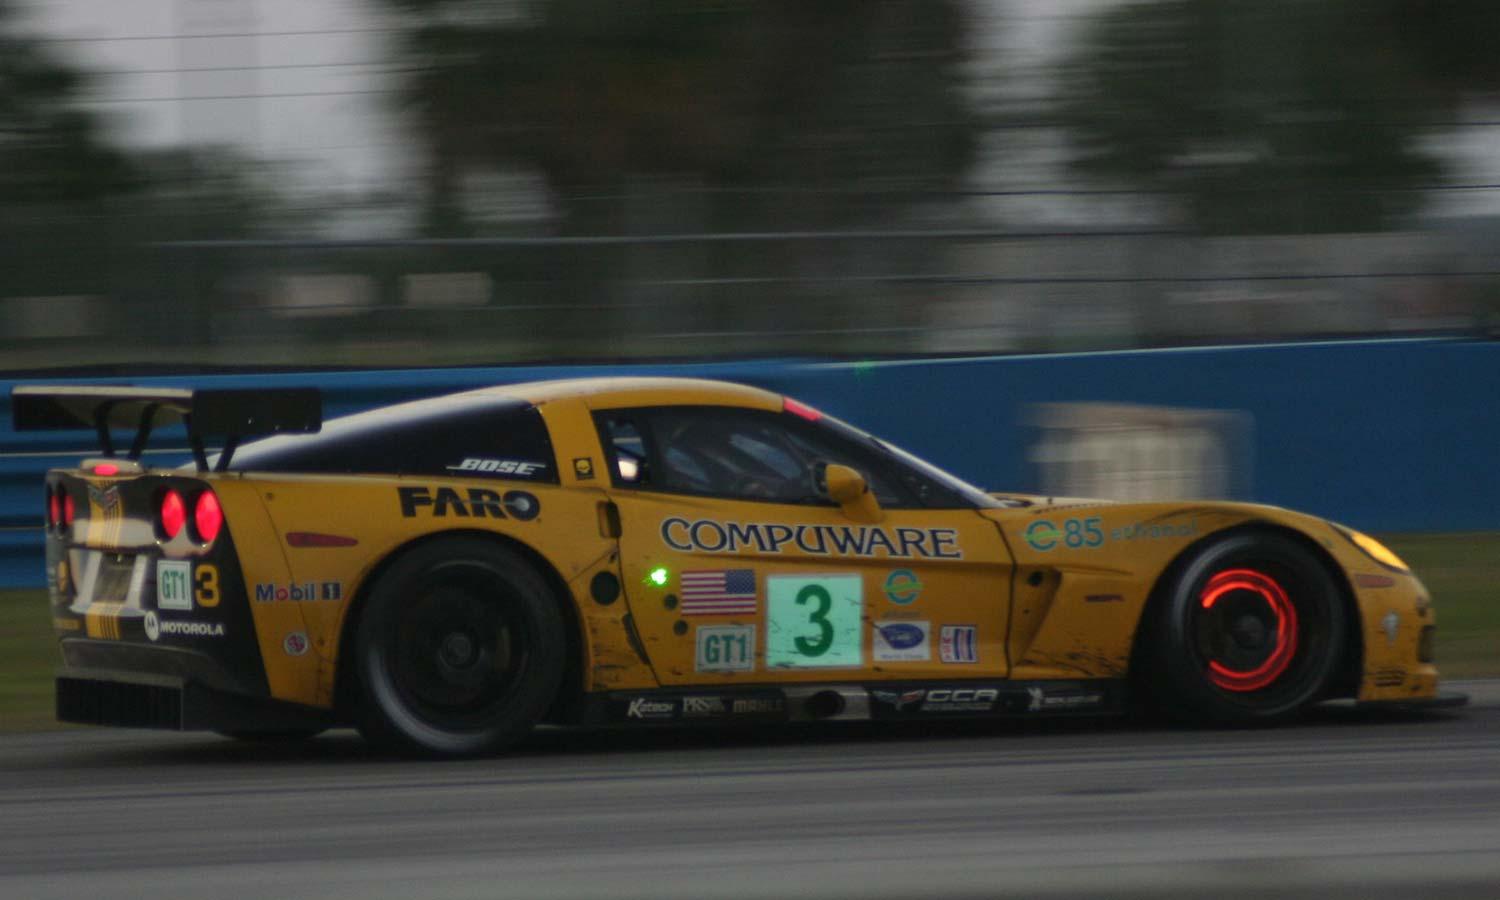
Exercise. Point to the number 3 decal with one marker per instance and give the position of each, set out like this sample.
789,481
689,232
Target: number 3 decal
814,620
207,579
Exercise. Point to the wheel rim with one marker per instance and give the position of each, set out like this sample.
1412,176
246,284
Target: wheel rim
459,650
1247,629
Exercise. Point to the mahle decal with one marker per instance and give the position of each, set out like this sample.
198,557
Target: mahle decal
709,536
478,503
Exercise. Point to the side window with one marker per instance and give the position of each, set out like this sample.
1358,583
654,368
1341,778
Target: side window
733,453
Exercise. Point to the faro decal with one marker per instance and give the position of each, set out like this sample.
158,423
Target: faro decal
708,536
479,503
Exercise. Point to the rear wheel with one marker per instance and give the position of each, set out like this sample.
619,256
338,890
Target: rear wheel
1248,629
460,650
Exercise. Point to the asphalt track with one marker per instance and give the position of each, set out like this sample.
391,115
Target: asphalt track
1346,805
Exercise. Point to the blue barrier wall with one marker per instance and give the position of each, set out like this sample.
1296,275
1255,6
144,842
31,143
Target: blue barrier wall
1384,435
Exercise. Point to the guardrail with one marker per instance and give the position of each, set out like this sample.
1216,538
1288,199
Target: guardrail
1396,435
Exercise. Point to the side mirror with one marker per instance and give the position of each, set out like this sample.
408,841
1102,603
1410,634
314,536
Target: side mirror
850,491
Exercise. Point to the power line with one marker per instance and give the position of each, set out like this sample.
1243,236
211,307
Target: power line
265,68
273,96
225,35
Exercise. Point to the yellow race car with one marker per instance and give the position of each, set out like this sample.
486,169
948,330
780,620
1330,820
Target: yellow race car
445,574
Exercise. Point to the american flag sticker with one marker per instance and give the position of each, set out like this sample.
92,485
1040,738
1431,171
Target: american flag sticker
719,592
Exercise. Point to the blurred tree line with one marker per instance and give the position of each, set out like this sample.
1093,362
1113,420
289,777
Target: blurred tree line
1277,116
677,116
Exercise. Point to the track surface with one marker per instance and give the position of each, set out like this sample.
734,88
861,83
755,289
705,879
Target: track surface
1346,805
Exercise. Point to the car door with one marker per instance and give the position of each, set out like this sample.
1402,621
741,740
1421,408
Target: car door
738,570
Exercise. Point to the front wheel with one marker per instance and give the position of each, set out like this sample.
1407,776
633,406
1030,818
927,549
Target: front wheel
460,650
1249,628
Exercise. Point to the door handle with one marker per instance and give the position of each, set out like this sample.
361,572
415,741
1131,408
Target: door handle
609,519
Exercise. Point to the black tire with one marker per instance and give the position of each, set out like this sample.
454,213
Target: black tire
459,651
1247,629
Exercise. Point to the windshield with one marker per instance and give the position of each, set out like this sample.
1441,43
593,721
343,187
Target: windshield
948,481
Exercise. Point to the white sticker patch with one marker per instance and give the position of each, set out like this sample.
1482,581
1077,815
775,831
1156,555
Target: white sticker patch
725,648
174,584
901,642
814,621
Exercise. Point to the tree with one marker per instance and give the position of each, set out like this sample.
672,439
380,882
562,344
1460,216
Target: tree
1274,115
742,94
51,152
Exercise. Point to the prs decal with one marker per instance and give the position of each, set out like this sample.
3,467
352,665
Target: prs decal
478,503
708,536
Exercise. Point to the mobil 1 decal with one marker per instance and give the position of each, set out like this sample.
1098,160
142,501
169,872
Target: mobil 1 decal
814,621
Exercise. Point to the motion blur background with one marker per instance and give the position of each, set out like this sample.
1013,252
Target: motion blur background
363,182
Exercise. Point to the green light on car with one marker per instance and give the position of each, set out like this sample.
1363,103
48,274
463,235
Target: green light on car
658,576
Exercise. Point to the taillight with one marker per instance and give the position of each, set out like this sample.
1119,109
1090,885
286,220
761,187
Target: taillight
68,509
208,517
54,509
172,514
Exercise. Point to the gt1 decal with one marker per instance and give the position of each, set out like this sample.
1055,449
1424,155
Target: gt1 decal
902,587
479,503
959,644
813,621
725,648
498,467
901,642
709,536
270,592
174,578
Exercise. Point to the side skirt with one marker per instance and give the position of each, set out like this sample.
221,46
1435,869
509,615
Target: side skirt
880,701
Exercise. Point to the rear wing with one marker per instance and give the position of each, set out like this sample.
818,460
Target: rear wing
231,414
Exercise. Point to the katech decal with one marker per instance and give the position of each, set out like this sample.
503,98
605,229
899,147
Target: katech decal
647,708
271,592
901,642
902,587
478,503
709,536
484,466
959,644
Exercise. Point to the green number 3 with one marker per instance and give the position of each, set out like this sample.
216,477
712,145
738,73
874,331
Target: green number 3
819,645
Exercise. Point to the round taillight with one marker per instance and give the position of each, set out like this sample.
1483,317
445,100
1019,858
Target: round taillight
172,515
68,510
208,517
54,509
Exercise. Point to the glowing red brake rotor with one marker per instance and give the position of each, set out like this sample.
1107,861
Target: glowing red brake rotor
1284,634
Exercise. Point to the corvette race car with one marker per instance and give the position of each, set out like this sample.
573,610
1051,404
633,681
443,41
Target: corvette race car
445,574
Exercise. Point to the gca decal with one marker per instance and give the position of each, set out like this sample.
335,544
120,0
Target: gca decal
479,503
